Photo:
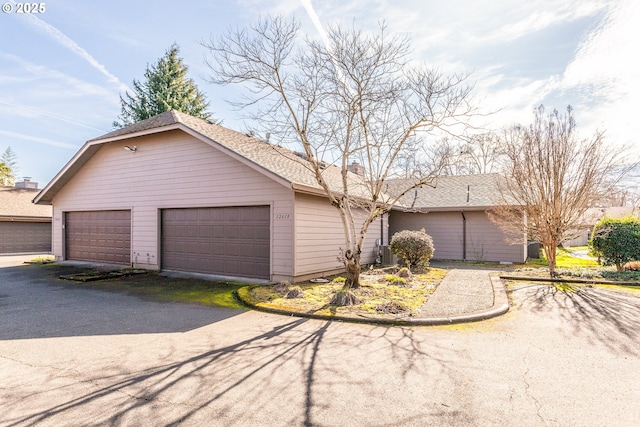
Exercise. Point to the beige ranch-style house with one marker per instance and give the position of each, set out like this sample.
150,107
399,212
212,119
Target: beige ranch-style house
175,192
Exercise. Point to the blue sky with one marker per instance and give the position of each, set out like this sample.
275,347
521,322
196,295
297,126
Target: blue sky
61,71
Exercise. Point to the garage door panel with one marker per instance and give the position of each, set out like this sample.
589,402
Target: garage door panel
219,250
98,236
261,251
230,240
205,231
17,237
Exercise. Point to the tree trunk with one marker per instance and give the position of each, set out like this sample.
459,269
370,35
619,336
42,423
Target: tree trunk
353,271
344,296
550,252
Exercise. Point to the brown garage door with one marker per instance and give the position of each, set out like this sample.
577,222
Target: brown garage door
232,241
17,237
99,236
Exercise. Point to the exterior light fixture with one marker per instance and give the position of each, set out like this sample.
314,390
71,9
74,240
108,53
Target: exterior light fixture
132,149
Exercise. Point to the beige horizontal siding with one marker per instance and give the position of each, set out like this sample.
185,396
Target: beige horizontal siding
484,239
487,242
319,236
173,170
445,228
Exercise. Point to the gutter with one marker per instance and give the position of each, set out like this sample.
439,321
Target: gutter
301,188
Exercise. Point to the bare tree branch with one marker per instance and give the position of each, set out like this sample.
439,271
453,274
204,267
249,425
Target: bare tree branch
553,176
353,99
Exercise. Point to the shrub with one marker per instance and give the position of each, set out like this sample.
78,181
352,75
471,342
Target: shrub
392,307
395,280
405,273
294,292
632,266
282,287
616,241
415,247
339,279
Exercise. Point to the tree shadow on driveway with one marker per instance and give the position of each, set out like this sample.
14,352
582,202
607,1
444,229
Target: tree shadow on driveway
608,316
293,373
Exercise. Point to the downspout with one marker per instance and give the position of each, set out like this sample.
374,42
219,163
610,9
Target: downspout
464,228
464,236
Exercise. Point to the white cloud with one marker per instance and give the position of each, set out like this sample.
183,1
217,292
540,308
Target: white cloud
30,111
72,85
55,34
533,17
605,69
37,139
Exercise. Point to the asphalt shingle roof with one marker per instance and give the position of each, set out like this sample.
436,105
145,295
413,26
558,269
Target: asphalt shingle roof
17,202
449,192
459,192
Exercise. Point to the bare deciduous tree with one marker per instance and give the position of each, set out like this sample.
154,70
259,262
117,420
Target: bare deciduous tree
554,176
352,97
480,153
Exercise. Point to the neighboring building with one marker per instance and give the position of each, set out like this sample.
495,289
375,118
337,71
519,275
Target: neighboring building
454,214
27,183
591,217
175,192
24,226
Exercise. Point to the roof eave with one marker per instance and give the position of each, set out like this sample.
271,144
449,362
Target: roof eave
426,209
24,218
306,189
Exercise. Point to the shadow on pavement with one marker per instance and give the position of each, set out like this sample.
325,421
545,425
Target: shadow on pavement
603,313
290,359
34,303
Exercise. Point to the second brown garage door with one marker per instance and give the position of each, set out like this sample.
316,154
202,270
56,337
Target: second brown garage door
17,237
233,241
98,236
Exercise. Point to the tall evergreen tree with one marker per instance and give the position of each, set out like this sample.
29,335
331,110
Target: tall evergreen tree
8,167
164,88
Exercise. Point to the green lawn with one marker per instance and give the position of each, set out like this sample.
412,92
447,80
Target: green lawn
154,287
568,266
565,260
374,293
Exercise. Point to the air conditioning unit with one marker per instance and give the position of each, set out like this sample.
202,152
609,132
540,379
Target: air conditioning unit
387,257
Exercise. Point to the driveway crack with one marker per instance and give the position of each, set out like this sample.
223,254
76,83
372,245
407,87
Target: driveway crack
527,391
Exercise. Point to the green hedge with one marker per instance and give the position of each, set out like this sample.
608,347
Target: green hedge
616,241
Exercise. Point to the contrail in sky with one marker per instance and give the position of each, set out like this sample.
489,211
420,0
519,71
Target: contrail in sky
65,41
49,114
37,139
308,7
316,21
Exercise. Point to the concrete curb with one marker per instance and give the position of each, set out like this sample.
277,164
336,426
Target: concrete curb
570,280
500,307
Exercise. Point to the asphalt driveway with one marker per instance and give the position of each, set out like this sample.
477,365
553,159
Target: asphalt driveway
558,358
35,304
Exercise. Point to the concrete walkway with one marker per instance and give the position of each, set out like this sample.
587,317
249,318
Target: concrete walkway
466,295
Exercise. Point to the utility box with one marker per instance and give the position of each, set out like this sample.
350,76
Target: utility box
387,257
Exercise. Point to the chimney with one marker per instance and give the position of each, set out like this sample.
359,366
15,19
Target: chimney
27,183
356,168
